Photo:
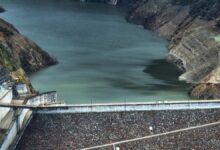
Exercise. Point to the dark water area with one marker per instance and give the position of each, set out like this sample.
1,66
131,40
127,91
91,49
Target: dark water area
167,72
102,58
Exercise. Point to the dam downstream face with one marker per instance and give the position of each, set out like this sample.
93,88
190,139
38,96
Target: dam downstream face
102,58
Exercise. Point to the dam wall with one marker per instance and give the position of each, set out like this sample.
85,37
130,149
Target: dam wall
5,97
16,126
121,121
17,119
83,130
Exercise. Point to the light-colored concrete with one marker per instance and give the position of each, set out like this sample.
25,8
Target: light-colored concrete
20,116
116,107
5,97
119,107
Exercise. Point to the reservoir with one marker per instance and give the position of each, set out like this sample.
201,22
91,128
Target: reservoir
102,58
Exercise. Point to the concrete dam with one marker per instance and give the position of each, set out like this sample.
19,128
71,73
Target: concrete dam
121,126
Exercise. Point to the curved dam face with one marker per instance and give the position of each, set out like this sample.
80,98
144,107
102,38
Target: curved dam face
102,58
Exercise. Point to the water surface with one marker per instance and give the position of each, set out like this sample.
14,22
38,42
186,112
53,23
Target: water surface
102,58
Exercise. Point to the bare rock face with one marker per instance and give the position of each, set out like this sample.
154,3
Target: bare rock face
192,27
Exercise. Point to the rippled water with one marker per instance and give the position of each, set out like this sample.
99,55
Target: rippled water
102,58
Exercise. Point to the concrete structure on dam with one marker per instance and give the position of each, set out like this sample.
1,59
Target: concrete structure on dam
5,92
154,125
40,122
5,97
15,119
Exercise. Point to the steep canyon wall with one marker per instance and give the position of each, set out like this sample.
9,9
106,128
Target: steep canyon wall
192,27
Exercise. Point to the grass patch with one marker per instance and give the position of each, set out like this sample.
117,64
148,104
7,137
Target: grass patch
7,60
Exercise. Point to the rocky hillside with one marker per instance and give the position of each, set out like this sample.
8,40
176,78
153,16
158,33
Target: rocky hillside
18,55
193,29
18,51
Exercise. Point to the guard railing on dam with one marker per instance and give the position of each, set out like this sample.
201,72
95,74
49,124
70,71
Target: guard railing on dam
35,104
116,107
42,99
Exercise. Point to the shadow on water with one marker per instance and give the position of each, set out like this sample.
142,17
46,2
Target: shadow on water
161,70
168,73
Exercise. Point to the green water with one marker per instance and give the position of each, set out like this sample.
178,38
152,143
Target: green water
102,58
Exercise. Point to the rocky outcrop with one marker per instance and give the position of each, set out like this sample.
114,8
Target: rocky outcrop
18,51
20,56
192,27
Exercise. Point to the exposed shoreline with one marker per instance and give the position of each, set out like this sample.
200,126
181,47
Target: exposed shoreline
192,40
192,29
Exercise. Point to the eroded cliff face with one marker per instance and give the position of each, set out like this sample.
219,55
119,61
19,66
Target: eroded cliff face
20,56
192,27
